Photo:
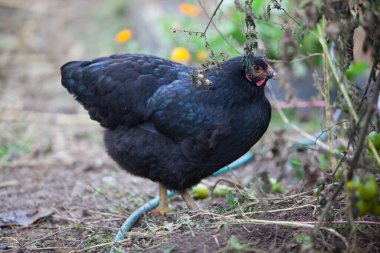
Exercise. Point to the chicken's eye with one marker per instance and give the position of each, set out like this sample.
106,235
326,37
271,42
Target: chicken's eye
256,68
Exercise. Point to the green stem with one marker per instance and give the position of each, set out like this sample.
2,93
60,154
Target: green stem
326,96
342,88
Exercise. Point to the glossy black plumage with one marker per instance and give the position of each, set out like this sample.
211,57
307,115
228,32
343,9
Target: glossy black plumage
159,126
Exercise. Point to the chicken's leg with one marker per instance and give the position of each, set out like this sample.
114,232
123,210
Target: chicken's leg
189,200
163,207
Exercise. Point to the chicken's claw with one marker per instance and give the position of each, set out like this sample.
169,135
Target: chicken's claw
160,210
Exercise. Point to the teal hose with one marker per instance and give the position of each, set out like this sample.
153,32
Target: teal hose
135,216
236,164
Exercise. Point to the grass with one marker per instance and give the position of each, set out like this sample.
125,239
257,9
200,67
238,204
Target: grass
12,150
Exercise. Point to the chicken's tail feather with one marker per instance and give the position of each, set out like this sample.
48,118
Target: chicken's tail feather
70,75
97,94
115,90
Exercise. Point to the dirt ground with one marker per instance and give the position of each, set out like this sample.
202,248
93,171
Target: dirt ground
84,199
56,179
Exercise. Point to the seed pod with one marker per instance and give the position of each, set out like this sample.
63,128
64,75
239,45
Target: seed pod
198,84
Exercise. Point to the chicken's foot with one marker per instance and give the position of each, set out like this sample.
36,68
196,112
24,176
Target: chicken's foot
189,200
163,207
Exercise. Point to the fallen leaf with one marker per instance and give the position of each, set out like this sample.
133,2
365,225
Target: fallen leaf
23,217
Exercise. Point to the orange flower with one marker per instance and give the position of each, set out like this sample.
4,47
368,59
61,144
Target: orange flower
123,36
189,10
181,54
202,55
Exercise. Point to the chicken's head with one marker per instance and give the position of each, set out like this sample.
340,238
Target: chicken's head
259,71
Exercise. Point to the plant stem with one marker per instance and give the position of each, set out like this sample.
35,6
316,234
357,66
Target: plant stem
212,16
217,29
326,95
363,126
321,38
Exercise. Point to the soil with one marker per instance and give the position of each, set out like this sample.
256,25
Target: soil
89,198
54,168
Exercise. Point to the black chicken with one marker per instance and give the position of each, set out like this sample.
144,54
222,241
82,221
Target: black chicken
160,126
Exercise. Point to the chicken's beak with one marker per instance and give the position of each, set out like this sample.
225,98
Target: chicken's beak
271,74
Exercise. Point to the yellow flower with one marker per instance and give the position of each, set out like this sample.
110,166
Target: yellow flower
181,54
189,10
202,55
123,36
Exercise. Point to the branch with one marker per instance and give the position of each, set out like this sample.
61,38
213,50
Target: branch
364,127
371,76
321,37
278,6
328,205
212,16
217,29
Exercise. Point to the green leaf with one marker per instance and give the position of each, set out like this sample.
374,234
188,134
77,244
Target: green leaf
235,244
221,191
168,248
276,186
302,238
296,163
78,226
232,200
324,161
4,152
341,148
356,69
300,69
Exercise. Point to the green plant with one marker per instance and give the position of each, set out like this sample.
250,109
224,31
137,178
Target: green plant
364,195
